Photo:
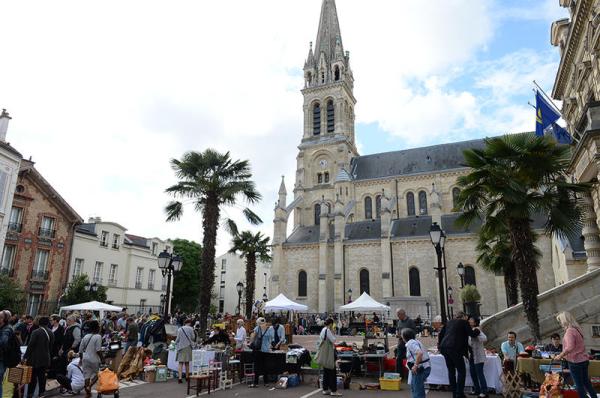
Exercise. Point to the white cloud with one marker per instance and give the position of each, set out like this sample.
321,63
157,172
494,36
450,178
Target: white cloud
102,96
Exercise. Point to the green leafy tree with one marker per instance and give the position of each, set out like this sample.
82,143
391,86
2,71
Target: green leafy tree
495,255
76,292
210,181
12,296
252,247
186,283
515,178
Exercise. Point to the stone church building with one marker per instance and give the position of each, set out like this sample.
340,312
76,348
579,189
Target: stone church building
361,223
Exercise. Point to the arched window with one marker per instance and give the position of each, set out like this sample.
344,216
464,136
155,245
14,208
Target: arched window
410,204
319,178
364,281
322,77
326,177
317,214
336,72
368,208
302,282
317,119
330,117
422,202
470,276
378,206
455,195
414,282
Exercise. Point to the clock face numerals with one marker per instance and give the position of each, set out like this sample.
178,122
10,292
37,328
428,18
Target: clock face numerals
323,163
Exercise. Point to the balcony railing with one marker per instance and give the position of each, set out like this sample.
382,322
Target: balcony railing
39,275
7,271
138,285
112,282
46,233
15,227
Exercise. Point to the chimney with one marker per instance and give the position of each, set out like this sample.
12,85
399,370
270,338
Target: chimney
4,118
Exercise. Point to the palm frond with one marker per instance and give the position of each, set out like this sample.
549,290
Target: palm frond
174,211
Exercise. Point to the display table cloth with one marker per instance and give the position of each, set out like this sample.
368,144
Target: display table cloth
531,366
492,370
200,359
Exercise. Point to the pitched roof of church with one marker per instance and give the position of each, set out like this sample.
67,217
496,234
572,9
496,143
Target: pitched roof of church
412,161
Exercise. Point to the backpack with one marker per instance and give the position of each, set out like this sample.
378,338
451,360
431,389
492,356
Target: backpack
12,351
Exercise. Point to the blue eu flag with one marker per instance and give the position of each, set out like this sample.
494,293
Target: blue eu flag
545,114
561,134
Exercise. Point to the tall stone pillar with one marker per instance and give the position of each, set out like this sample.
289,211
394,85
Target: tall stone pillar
325,277
338,254
591,233
386,259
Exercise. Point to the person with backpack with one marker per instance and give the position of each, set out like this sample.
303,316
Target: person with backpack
37,355
10,352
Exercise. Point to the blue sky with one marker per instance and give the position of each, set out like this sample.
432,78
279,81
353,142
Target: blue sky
102,97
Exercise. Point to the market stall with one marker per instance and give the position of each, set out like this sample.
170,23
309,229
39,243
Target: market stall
492,370
282,303
531,367
94,306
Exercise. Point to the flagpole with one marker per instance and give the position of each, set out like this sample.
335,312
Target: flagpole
549,100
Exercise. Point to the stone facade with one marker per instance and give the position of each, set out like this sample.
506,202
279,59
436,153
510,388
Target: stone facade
41,247
231,269
10,160
126,264
367,218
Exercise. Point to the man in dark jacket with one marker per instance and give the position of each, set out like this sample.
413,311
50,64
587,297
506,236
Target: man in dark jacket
453,342
38,355
6,335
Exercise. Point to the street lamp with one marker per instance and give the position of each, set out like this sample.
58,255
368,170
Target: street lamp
239,287
438,240
461,272
91,287
349,295
168,264
265,297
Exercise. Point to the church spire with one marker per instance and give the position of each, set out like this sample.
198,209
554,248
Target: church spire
329,35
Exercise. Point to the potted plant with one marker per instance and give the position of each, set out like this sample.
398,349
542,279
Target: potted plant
470,297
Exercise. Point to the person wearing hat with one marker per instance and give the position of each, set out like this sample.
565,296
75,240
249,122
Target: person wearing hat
261,339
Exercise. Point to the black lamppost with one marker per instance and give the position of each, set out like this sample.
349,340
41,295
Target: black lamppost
168,264
461,272
349,295
265,297
239,287
92,288
438,239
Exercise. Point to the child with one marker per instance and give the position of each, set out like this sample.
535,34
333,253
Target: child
417,359
73,382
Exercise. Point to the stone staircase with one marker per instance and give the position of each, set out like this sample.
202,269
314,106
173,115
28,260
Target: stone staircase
580,296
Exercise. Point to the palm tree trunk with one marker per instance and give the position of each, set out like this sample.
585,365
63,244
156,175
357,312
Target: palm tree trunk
250,282
511,284
523,255
210,223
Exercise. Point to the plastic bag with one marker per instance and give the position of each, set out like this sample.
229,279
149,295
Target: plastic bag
107,381
7,387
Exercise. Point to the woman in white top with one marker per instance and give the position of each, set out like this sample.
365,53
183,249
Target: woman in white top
89,351
74,381
477,360
417,361
185,337
240,335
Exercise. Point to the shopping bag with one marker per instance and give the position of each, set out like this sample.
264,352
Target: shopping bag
107,381
20,375
7,387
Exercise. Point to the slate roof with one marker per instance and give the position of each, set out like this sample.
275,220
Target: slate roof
135,240
304,235
411,226
370,229
412,161
87,228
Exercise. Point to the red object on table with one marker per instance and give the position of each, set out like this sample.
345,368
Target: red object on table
389,364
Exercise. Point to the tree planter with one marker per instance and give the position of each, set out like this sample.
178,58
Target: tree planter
472,309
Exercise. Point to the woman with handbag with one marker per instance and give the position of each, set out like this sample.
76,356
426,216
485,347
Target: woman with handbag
574,353
185,341
261,339
326,359
90,352
38,355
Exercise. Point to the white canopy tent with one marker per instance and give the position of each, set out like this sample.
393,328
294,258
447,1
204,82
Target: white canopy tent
282,303
95,306
365,303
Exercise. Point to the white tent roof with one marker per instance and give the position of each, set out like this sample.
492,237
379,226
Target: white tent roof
364,303
282,303
91,306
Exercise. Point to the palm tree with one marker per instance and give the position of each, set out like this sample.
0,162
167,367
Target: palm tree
252,247
514,178
210,180
495,255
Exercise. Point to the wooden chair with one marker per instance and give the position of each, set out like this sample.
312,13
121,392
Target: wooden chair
235,368
224,382
203,378
249,373
215,368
